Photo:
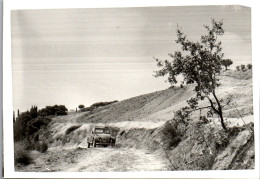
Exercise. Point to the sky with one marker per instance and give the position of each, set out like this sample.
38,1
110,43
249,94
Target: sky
82,56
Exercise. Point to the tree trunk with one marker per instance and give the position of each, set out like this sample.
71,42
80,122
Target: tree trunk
222,122
220,112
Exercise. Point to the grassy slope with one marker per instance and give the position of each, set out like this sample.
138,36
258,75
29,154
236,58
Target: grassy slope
161,105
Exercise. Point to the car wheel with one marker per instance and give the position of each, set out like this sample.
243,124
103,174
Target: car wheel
94,143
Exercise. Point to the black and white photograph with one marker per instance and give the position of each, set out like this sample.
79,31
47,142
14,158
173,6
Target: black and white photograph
132,89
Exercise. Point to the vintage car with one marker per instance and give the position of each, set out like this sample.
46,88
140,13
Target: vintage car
100,136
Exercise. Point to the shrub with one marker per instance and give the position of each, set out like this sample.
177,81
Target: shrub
26,125
175,129
100,104
249,66
243,67
20,126
171,134
41,147
81,106
44,147
72,128
238,68
21,156
36,124
37,146
34,112
53,110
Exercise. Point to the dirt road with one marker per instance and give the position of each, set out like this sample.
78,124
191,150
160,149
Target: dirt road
96,160
113,159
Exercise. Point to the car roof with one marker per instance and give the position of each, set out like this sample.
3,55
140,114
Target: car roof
100,127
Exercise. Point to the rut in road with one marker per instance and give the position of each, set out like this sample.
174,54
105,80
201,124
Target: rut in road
118,160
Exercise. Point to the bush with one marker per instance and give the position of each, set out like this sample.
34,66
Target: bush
72,128
27,125
36,124
20,126
171,134
81,106
243,67
249,66
238,68
21,156
41,147
100,104
53,110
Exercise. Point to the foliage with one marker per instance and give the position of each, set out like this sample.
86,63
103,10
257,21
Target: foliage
72,128
243,67
238,68
100,104
249,66
199,64
175,129
21,156
20,125
81,106
34,112
226,62
41,147
53,110
36,124
97,105
25,126
29,123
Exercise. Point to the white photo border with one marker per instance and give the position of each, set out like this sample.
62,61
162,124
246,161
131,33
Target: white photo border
56,4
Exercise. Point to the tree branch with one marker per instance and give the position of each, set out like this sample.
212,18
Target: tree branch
200,108
212,105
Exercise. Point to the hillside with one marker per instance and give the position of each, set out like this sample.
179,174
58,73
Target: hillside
143,123
161,105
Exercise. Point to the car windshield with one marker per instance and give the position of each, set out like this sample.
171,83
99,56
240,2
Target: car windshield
102,131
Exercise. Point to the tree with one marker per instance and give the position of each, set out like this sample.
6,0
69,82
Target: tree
53,110
238,68
81,106
226,62
199,63
243,67
249,66
34,112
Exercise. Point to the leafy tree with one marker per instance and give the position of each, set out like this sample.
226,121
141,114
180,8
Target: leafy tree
243,67
226,63
34,112
249,66
81,106
20,125
238,68
53,110
199,63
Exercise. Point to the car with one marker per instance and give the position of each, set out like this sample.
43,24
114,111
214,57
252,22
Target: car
100,136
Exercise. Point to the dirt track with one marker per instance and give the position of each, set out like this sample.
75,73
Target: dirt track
96,160
120,160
